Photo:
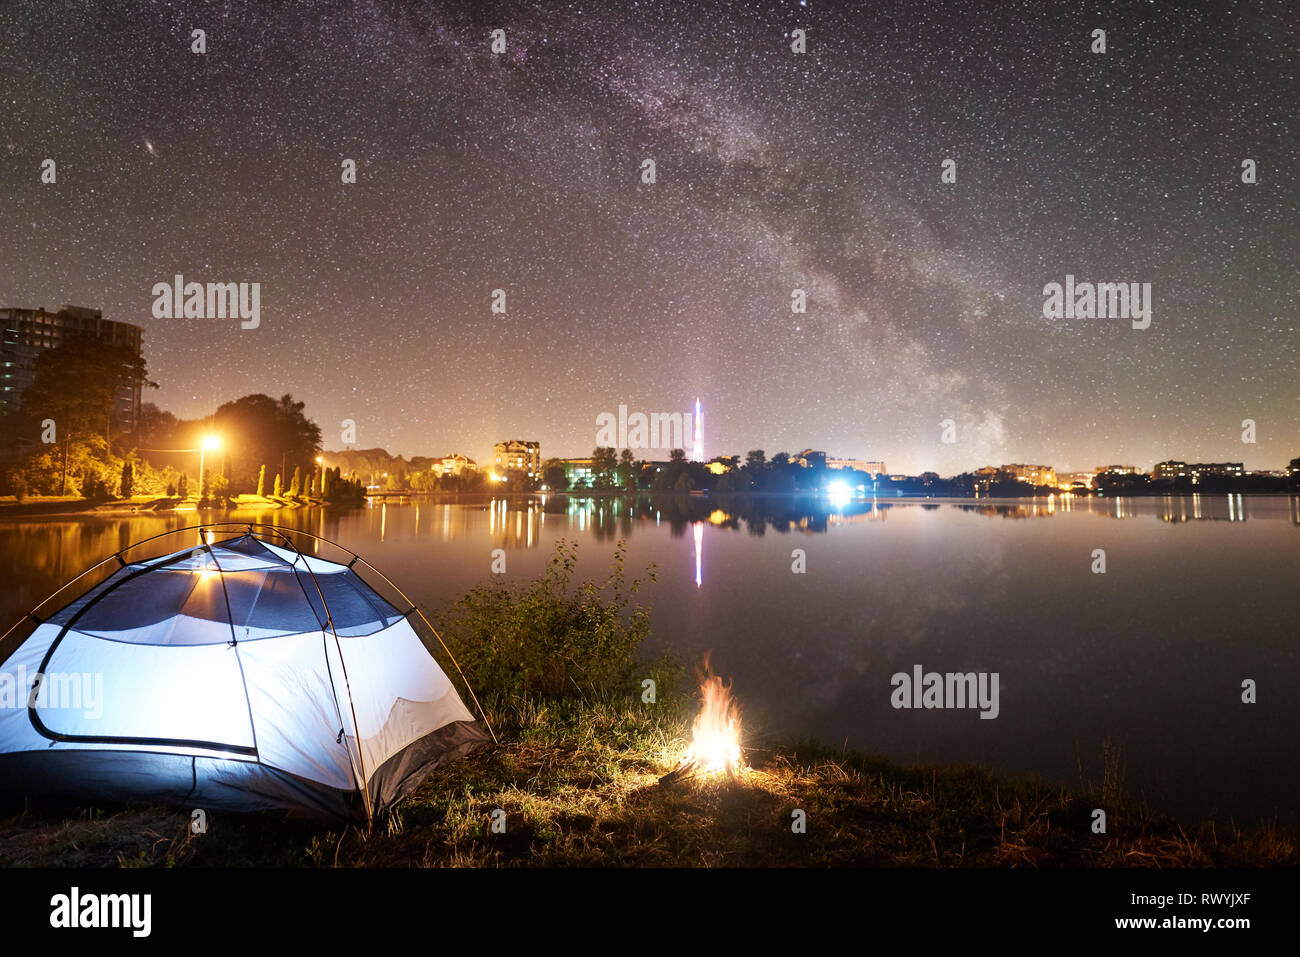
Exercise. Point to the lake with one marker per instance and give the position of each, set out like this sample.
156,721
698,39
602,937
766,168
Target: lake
1199,594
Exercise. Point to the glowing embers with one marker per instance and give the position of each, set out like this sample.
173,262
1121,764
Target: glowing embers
715,735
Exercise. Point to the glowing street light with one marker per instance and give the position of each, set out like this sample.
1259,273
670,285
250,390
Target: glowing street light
210,442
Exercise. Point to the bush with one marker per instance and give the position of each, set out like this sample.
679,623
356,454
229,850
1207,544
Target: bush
94,487
219,488
549,637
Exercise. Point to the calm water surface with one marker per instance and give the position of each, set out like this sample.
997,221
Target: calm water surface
1200,593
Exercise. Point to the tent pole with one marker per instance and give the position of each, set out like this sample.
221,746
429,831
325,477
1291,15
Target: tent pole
468,687
364,785
393,585
234,643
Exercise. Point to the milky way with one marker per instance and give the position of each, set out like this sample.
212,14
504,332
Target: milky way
775,171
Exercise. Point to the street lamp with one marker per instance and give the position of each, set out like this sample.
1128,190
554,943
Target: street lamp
209,442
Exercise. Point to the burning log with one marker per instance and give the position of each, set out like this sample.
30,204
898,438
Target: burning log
691,768
715,735
683,771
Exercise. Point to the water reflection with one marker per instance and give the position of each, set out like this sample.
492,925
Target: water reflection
1004,510
1207,508
699,554
39,555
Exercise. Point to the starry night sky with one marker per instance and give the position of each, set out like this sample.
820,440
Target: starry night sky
775,171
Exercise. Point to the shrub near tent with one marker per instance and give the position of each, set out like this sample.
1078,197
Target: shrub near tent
240,675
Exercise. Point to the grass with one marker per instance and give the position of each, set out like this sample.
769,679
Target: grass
578,782
577,777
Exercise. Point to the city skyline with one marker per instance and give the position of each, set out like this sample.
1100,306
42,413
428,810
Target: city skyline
49,328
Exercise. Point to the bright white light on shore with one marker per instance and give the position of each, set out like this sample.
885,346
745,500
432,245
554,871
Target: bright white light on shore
211,442
839,492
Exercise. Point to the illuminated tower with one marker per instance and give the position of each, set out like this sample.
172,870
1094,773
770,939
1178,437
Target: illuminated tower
697,454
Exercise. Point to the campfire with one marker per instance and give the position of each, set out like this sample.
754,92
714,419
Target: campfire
715,735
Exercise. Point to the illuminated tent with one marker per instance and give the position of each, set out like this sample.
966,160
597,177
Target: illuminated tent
236,675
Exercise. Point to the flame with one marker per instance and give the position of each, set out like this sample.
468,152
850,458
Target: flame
715,736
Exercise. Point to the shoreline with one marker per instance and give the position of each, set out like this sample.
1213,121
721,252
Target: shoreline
67,506
572,799
63,507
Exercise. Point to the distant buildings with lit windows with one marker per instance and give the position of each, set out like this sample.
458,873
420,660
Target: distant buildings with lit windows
810,459
858,465
26,333
1029,474
517,456
454,464
1196,471
1032,474
580,472
1225,469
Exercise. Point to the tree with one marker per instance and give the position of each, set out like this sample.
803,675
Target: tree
604,464
677,467
555,476
77,384
93,485
424,480
128,480
261,482
219,488
154,427
257,428
627,470
295,485
183,487
278,491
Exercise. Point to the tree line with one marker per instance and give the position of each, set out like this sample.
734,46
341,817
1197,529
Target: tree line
64,436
